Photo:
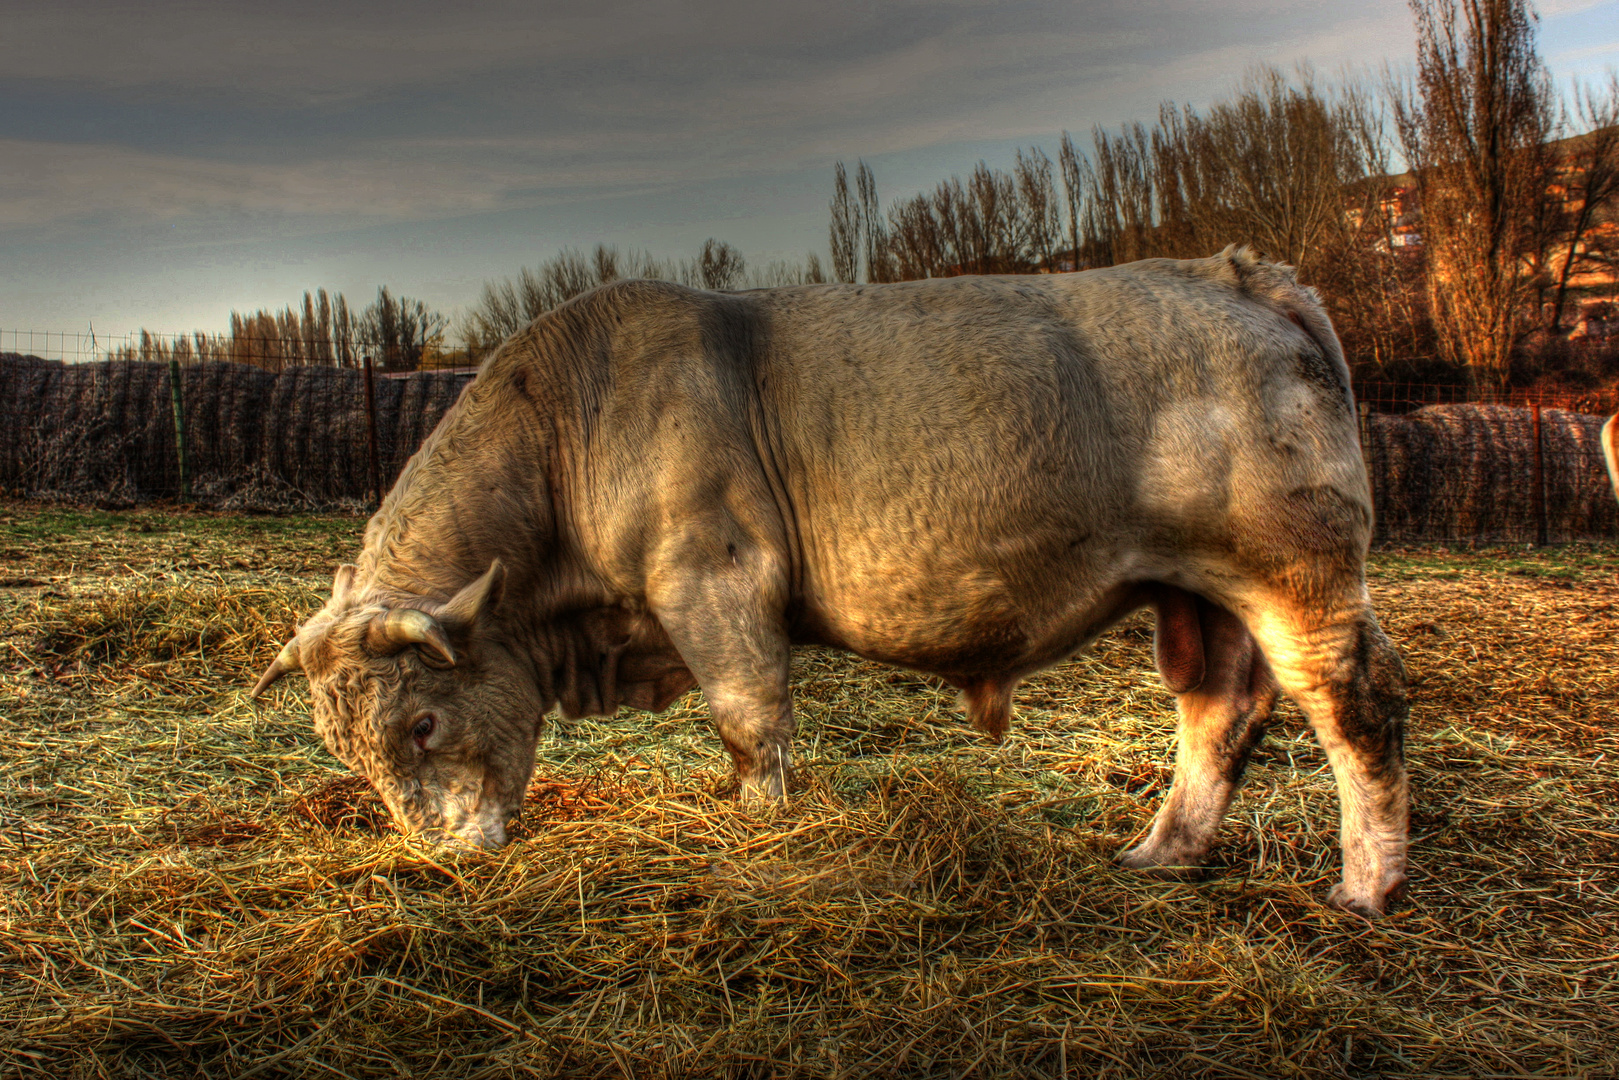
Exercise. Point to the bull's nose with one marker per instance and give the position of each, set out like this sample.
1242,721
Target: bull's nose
487,830
483,836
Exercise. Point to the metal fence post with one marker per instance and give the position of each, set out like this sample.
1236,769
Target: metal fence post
371,427
179,427
1539,493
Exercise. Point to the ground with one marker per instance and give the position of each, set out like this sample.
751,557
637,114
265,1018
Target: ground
190,885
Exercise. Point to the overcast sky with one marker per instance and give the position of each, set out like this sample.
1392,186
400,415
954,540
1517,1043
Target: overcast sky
165,162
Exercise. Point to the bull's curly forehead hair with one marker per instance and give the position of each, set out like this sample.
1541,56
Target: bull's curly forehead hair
345,708
349,685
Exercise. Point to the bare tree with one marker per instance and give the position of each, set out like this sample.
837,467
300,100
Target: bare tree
1590,173
320,331
343,333
1277,161
721,265
508,305
1371,280
1076,183
399,330
994,222
1474,131
779,272
916,243
1039,227
1120,217
871,226
845,231
1178,171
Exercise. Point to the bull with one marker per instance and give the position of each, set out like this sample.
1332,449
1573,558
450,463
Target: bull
653,488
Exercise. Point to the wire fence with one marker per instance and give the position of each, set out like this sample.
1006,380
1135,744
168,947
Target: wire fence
1448,464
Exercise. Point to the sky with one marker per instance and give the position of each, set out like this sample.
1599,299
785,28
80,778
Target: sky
166,162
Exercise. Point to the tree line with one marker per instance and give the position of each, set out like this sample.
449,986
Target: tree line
1465,257
401,334
396,332
1463,267
509,304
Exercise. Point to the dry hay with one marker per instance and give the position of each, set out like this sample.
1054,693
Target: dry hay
1465,472
296,439
192,886
256,439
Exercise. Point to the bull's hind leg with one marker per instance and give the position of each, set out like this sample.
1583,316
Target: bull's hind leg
1330,656
1225,696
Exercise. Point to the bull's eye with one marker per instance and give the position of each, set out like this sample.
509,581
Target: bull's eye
424,728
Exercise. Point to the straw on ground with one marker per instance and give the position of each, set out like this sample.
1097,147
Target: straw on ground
191,885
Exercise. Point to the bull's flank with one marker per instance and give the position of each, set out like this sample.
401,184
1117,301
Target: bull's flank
190,886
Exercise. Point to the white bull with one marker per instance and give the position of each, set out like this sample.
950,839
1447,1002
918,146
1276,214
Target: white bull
652,488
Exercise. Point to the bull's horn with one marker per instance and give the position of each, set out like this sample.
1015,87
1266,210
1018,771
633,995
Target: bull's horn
287,660
396,628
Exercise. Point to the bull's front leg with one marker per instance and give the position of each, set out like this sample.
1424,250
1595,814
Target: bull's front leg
727,623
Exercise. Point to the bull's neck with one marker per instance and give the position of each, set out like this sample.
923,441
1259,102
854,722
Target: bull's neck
475,491
490,482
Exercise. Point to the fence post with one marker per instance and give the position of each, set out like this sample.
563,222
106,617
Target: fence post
1539,484
371,427
179,427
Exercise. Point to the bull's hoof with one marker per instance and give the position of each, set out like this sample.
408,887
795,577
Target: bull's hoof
768,790
1368,904
1162,861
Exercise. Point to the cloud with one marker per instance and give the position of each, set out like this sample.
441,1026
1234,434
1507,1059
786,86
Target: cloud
46,182
1552,9
311,54
564,108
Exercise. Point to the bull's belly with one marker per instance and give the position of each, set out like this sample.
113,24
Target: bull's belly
974,627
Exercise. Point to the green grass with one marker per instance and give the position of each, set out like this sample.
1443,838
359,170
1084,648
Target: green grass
1568,562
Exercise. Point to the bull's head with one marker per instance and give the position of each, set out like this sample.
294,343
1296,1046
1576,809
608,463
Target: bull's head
425,702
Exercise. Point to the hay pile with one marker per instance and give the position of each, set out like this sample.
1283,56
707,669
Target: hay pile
297,440
255,439
192,886
1465,472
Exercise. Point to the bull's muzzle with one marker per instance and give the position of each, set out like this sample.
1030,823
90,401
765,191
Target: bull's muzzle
478,831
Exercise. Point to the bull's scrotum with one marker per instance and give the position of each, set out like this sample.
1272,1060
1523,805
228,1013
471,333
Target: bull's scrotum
972,477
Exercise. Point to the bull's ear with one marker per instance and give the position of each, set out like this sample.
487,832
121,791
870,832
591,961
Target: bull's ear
477,601
343,582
